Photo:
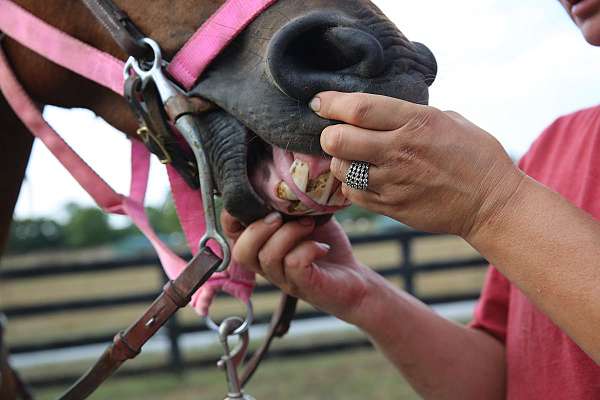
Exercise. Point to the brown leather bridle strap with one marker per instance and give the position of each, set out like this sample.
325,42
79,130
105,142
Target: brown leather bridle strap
279,326
127,345
23,389
122,29
155,131
15,386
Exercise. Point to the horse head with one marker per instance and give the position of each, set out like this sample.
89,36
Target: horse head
264,82
261,84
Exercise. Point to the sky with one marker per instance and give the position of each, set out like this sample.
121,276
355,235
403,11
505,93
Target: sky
511,67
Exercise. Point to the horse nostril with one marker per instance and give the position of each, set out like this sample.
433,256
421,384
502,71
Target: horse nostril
339,49
319,50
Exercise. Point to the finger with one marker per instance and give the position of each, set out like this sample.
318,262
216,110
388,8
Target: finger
365,110
273,253
339,169
352,143
253,239
302,256
368,200
231,226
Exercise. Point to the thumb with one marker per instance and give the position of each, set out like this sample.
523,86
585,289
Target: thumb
231,226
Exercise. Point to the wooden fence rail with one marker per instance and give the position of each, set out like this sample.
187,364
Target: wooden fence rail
408,270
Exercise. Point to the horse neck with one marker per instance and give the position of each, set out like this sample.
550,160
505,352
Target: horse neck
171,26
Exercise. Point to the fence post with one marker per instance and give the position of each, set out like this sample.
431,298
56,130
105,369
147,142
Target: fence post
407,267
173,330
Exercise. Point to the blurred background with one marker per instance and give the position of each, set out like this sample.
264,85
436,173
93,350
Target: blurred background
72,276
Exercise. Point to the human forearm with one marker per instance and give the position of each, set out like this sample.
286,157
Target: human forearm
551,250
441,359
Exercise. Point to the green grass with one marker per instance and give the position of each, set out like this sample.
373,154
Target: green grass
354,375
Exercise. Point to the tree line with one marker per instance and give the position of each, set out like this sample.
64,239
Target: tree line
83,227
90,227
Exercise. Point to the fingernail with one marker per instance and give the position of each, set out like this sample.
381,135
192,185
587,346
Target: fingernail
324,246
305,221
315,104
323,140
336,164
272,218
330,139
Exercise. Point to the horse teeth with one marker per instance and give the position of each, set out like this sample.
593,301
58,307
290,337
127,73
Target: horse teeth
320,189
328,188
284,192
338,199
299,171
297,207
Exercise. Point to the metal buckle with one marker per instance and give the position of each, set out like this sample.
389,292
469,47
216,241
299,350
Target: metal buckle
153,72
148,136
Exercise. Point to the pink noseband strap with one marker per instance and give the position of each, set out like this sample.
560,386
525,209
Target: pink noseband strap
187,66
212,37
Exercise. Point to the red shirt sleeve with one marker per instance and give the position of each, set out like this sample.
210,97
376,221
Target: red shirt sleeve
491,313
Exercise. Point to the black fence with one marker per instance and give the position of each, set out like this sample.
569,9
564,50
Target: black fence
408,270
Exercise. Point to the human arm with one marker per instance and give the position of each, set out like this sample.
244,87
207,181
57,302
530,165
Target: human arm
441,359
551,250
438,172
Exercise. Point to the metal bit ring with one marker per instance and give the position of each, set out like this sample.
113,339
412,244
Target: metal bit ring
244,327
357,176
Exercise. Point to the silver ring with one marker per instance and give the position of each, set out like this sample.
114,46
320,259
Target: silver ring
357,176
213,326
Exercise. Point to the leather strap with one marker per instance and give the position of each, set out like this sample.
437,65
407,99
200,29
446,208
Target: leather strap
23,389
122,29
8,376
128,344
176,294
155,131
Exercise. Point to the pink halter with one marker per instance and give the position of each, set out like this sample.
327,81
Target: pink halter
187,66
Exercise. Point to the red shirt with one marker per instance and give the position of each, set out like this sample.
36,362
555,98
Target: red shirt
542,362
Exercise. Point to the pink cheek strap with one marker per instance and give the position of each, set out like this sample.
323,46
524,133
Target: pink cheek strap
206,44
236,281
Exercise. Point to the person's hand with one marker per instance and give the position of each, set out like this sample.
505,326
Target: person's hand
432,170
315,264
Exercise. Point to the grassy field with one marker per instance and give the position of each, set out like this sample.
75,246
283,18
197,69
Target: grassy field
356,375
39,291
361,374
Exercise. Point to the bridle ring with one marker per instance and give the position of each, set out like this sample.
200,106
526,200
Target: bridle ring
213,326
